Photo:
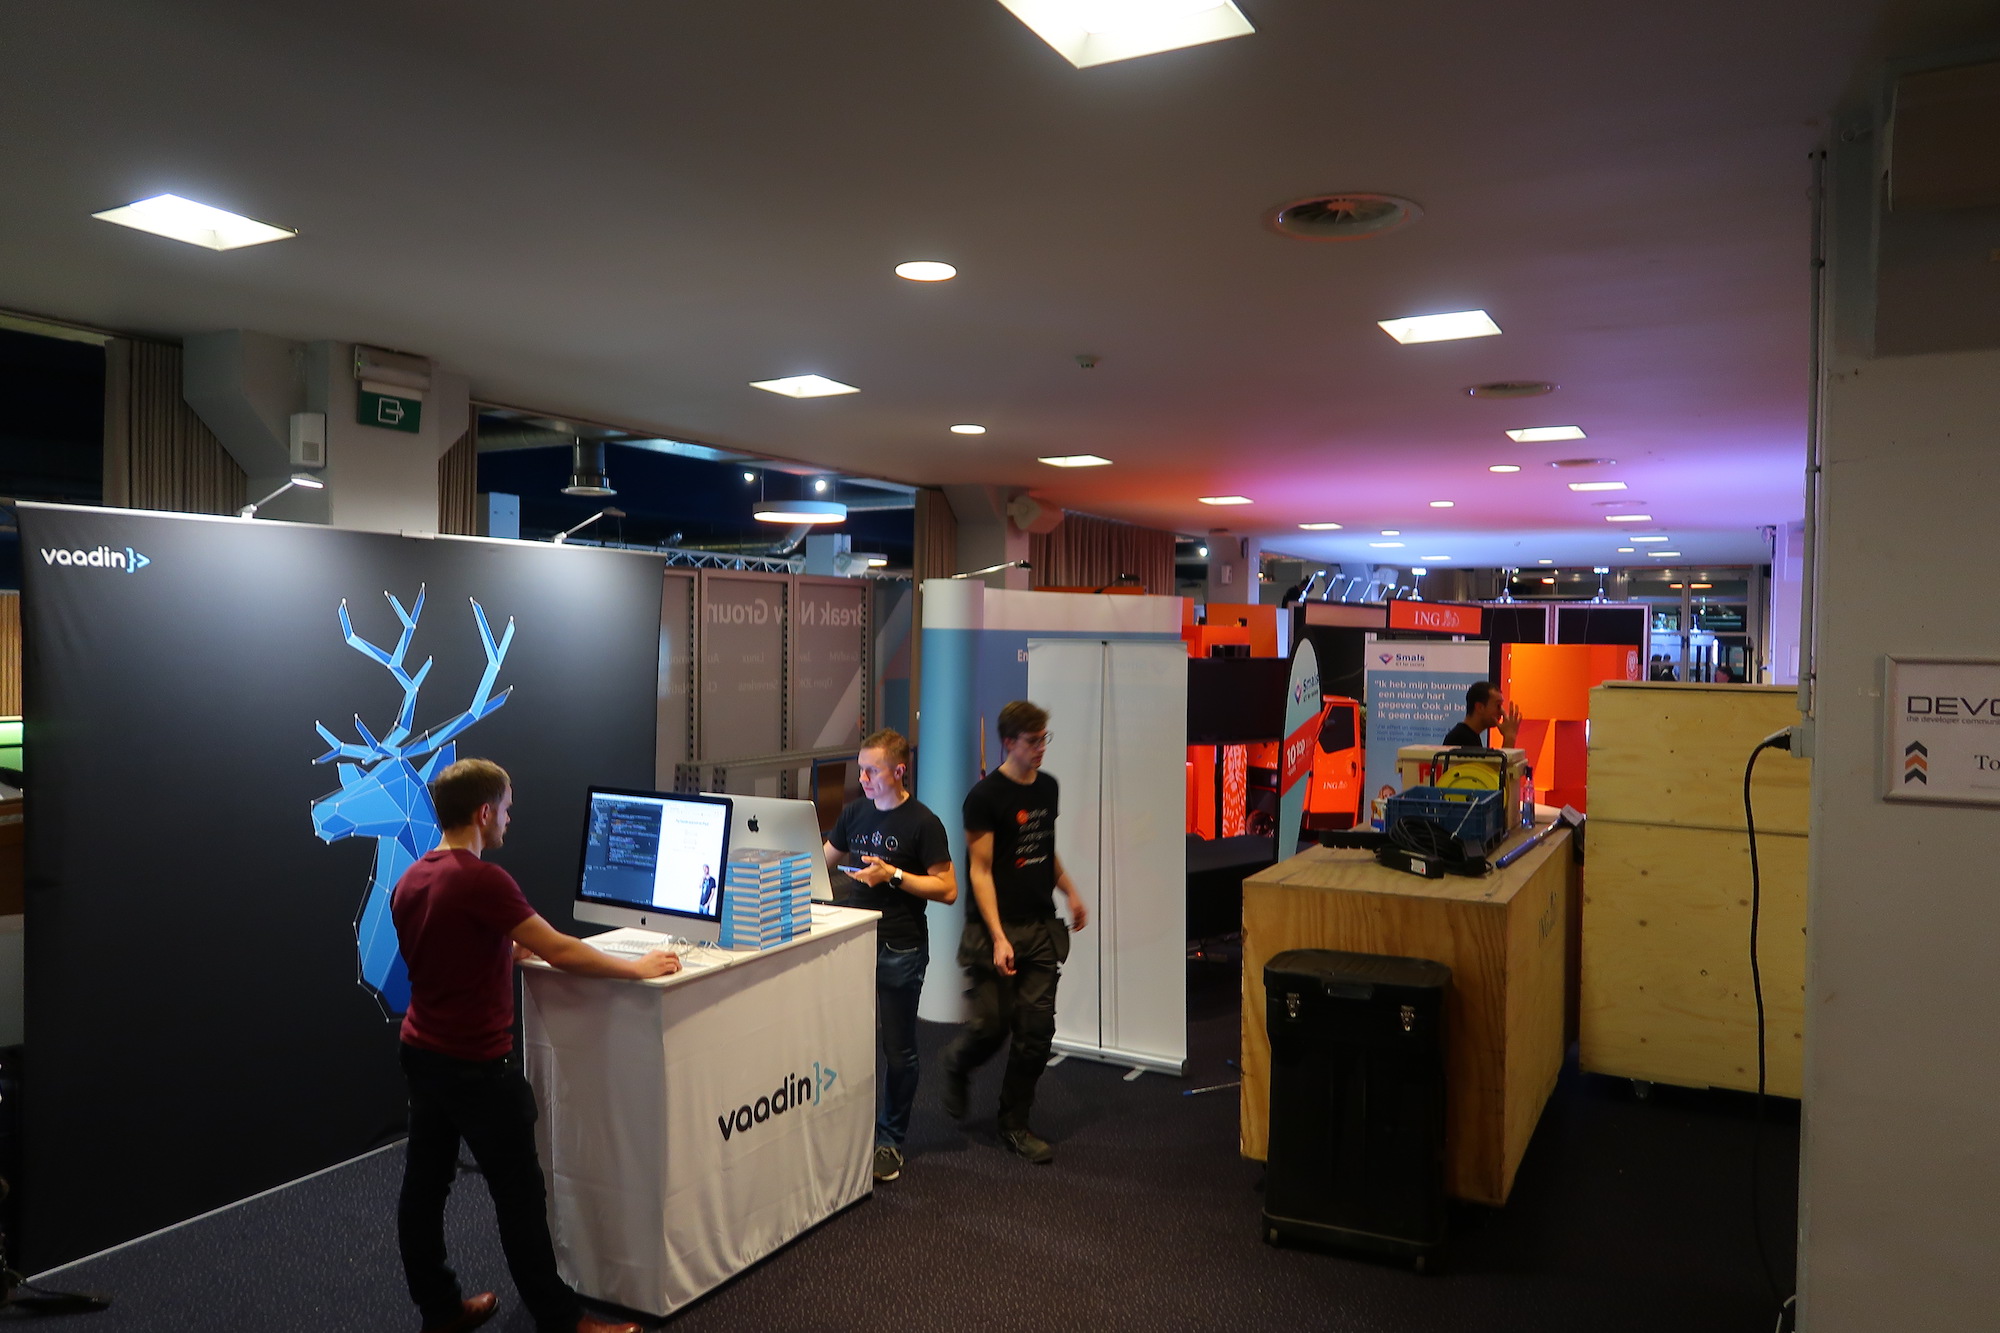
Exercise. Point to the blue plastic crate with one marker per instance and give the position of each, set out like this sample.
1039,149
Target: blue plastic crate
1478,819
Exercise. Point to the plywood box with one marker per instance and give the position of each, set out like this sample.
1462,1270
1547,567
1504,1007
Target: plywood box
1666,956
1666,991
1504,936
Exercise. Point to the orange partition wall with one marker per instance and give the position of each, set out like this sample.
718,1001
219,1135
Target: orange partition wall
1550,683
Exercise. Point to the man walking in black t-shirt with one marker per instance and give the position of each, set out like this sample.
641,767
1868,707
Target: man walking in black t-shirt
1014,946
904,857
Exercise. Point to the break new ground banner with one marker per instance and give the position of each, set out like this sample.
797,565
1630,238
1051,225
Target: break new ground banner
231,726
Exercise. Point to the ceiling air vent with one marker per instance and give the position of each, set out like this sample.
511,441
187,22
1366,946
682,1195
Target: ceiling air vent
1512,389
1341,217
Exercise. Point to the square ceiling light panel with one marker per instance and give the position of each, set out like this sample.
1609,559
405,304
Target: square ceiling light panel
1097,32
1440,328
804,386
198,224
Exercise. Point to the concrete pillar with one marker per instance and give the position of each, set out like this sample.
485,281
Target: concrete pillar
246,385
986,536
1233,562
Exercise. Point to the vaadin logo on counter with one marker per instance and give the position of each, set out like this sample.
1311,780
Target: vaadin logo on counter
102,557
805,1088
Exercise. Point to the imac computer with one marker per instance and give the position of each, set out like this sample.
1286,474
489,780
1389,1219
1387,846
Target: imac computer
782,826
654,860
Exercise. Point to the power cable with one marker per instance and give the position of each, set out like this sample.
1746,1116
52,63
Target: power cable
1777,740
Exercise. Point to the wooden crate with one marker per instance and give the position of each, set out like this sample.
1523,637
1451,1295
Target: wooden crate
1505,938
1673,754
1665,989
1666,956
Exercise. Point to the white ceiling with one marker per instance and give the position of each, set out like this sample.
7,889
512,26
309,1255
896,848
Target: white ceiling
627,212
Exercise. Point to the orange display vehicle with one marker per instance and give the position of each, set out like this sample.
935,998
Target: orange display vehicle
1334,799
1550,683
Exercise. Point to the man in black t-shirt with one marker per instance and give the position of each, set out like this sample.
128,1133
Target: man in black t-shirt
904,860
1484,710
1014,946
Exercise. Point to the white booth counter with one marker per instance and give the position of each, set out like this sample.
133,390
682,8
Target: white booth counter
692,1124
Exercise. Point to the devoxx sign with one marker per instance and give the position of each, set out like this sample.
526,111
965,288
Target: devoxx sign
1942,726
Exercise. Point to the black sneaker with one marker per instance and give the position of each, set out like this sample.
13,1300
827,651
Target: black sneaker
888,1163
1028,1144
955,1093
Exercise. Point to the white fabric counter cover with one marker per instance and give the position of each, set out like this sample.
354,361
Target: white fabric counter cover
693,1124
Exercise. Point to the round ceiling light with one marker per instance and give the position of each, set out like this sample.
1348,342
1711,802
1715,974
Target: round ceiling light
967,428
1341,217
926,270
1512,389
800,511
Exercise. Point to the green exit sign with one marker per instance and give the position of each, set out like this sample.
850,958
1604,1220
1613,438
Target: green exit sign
377,406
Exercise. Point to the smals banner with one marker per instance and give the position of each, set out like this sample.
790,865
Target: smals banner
1416,693
233,724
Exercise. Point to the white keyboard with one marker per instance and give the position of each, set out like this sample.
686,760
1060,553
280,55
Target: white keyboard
693,954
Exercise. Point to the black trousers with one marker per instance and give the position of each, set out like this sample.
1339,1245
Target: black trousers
489,1106
1019,1010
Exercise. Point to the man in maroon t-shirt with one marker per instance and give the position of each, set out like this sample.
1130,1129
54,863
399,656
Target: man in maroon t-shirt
463,925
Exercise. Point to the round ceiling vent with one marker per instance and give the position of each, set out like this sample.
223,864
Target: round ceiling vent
1512,389
1584,462
1341,217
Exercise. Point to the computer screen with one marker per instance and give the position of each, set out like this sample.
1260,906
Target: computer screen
652,854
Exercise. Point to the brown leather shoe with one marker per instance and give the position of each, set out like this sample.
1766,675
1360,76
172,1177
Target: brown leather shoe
471,1314
589,1325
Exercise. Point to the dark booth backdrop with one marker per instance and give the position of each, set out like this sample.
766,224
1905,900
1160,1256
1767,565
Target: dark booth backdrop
197,1027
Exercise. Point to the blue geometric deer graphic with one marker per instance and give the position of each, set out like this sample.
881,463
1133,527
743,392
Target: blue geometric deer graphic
385,794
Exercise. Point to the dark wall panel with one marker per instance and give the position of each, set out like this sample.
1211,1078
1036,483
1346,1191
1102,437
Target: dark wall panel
197,1023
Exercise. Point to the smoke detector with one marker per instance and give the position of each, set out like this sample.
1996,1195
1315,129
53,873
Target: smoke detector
1512,389
1341,217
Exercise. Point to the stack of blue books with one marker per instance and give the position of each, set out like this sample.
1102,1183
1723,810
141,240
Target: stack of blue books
767,898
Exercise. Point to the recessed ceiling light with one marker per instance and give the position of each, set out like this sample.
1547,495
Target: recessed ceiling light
1433,557
198,224
1627,550
1545,562
1440,328
1584,462
1319,527
1511,389
804,386
1701,585
967,428
1628,518
1076,460
1386,546
1652,539
1597,485
1441,504
1657,554
1097,32
1542,434
1504,467
1391,532
1224,499
800,511
926,270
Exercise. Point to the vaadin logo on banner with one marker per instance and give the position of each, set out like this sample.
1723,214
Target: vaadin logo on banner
806,1088
384,790
101,557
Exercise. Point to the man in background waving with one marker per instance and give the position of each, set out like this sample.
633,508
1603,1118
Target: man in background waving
1014,946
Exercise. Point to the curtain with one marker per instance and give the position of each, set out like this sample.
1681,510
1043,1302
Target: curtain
1090,552
458,484
10,654
935,557
157,452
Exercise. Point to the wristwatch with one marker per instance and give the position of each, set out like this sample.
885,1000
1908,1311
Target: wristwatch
896,878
